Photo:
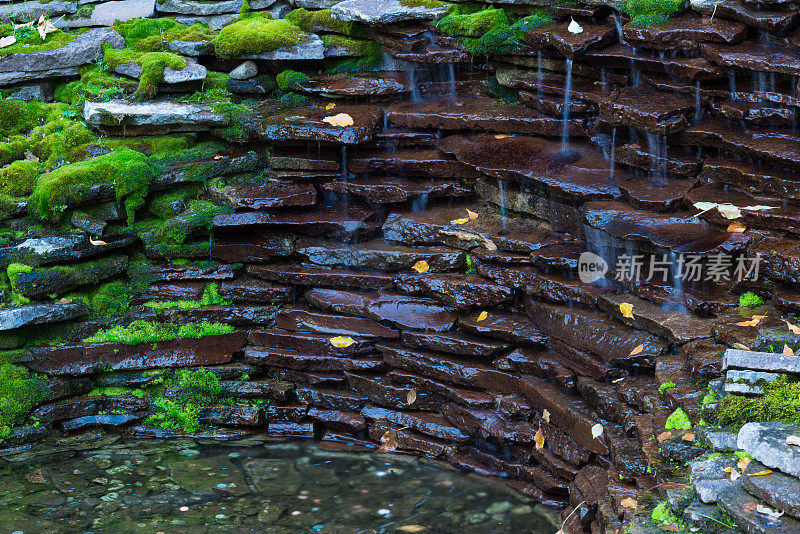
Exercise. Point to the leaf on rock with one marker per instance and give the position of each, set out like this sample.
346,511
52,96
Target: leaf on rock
330,106
793,440
688,437
664,436
787,350
749,506
546,415
794,329
421,266
465,220
97,242
341,120
766,510
538,439
629,503
760,473
597,431
388,441
741,346
753,321
743,462
670,528
736,228
500,136
7,41
411,397
483,315
574,27
626,310
735,475
472,214
411,528
637,349
342,342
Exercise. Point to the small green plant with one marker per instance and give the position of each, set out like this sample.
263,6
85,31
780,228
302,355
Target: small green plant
665,386
709,398
153,332
171,415
289,80
470,266
678,420
750,300
210,297
20,392
646,12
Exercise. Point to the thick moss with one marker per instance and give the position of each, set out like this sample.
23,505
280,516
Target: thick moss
20,392
256,34
356,47
464,21
215,93
178,32
153,332
289,80
210,297
96,85
28,41
164,236
130,171
321,20
152,63
17,179
678,420
61,141
157,146
142,28
781,402
646,12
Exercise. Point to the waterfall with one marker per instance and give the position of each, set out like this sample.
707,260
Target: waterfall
697,110
565,120
613,149
539,73
503,220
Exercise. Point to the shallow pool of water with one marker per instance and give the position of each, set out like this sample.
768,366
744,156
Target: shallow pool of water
297,487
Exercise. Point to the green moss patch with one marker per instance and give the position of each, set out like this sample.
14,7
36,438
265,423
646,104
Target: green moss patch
29,41
154,332
487,30
466,21
95,84
257,34
20,392
168,236
130,171
152,63
780,402
323,21
289,80
210,297
678,420
646,12
17,179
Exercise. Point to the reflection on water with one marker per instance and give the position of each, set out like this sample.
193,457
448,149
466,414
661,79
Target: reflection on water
140,486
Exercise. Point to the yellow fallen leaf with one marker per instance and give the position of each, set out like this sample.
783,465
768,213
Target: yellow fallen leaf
794,329
342,342
749,506
411,528
636,350
787,350
727,470
388,441
760,473
483,315
538,439
341,120
546,415
465,220
736,228
472,214
411,397
421,266
743,463
626,310
500,136
597,431
330,106
753,321
629,503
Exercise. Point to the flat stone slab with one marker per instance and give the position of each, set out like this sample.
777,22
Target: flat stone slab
379,254
710,479
192,72
345,85
311,49
624,56
779,490
648,109
269,195
570,44
677,325
106,13
766,442
59,248
685,32
763,17
383,12
754,56
309,124
739,504
383,190
134,118
760,361
63,61
189,7
31,10
31,314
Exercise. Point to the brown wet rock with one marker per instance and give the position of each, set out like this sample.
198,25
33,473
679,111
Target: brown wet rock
623,56
255,246
678,325
479,114
684,32
676,369
449,369
778,216
531,491
642,391
603,397
487,424
239,315
346,85
104,420
282,429
312,378
515,327
787,298
512,407
346,421
246,289
383,392
542,478
302,319
754,113
270,195
552,105
230,415
436,226
410,440
290,412
537,363
659,193
269,357
324,220
86,406
425,422
595,332
779,257
592,483
86,358
307,123
331,399
309,343
775,146
674,161
43,282
677,232
626,454
561,444
648,109
302,275
454,343
754,56
704,358
339,301
379,254
581,89
301,161
393,190
567,412
12,317
552,287
411,163
393,138
405,42
578,170
570,44
456,290
584,362
431,54
217,434
562,257
172,291
264,389
770,19
467,397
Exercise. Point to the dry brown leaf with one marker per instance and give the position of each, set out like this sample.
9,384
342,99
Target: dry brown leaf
741,346
411,396
736,228
753,321
483,315
749,506
629,503
766,510
735,475
626,310
500,136
472,214
342,342
45,26
421,266
688,437
664,436
787,350
637,349
64,301
97,242
538,439
794,329
760,473
489,244
388,441
330,106
793,440
546,415
670,528
341,120
743,462
411,528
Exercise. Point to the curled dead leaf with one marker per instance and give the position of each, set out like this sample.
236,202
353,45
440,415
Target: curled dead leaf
629,502
760,473
753,321
787,350
736,228
465,220
538,439
735,475
743,462
749,506
670,528
341,120
597,431
411,396
388,441
330,106
637,349
7,41
546,415
64,301
741,346
626,310
471,214
489,244
421,266
794,329
767,511
483,315
664,436
342,342
97,242
411,528
500,136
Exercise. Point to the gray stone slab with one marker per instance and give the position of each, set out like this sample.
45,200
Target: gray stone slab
158,115
766,442
32,10
760,361
383,12
314,48
710,479
32,314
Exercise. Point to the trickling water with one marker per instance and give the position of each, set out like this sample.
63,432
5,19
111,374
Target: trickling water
503,220
732,83
697,111
567,93
613,149
539,73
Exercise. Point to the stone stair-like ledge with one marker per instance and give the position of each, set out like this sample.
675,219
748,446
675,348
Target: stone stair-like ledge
31,314
313,48
141,118
760,361
383,12
192,72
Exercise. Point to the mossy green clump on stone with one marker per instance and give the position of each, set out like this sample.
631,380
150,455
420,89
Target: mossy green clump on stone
646,12
432,4
29,41
256,34
20,392
172,415
61,141
95,84
167,236
780,402
154,332
662,515
179,32
466,21
750,300
205,328
152,63
130,171
322,20
678,420
138,29
210,297
665,386
487,30
216,94
354,47
18,178
157,146
289,80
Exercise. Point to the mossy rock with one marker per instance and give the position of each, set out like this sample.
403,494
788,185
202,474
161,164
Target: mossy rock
257,34
43,282
20,392
17,179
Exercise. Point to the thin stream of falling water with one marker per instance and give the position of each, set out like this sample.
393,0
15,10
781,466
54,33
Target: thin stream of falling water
613,149
697,111
539,73
565,120
503,221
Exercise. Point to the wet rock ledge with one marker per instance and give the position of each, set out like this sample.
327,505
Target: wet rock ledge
370,223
